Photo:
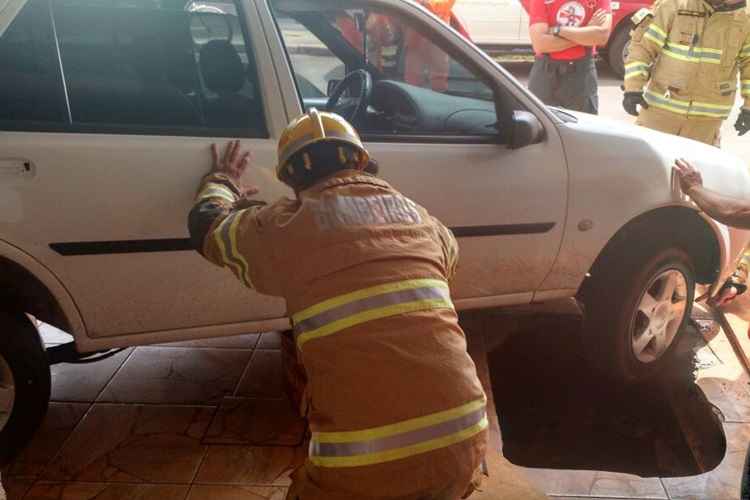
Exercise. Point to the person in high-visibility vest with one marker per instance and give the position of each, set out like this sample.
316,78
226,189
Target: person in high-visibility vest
426,64
394,403
683,65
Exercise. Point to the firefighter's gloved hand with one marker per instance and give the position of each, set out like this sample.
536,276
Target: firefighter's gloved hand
743,122
632,100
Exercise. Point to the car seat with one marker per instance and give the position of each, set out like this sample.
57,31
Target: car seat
224,74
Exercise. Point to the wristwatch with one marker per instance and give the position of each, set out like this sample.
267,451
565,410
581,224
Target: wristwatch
555,31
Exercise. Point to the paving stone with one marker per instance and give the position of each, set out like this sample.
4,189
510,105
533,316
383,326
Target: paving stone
203,492
106,491
84,382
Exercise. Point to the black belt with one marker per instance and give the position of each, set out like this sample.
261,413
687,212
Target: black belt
564,66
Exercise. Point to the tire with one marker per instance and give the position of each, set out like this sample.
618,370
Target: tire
618,48
24,383
616,336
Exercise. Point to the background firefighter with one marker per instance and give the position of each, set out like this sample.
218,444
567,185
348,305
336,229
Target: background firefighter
393,400
426,65
683,64
682,71
383,37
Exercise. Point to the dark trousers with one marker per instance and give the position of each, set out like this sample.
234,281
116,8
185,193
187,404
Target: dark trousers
566,84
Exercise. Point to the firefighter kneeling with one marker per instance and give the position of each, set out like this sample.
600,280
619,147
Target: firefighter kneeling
394,404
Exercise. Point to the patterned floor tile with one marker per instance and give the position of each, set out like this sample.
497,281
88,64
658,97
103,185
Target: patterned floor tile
264,377
724,481
129,443
259,466
177,376
270,340
202,492
595,483
106,491
247,341
260,422
84,382
60,421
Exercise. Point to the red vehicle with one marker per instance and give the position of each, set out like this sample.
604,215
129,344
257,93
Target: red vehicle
502,27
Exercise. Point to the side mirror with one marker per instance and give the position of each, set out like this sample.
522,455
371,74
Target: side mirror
526,129
332,84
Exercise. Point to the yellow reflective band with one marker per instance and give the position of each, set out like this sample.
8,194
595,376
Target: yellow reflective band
636,73
371,315
216,191
399,428
400,453
694,54
657,41
694,108
718,107
245,267
219,237
658,31
636,64
707,114
363,294
661,102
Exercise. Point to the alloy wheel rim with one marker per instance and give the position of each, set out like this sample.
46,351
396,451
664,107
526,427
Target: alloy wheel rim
661,311
7,392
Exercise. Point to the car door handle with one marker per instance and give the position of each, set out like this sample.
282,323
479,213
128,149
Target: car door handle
16,167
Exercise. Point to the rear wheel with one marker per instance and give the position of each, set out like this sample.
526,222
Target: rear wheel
24,383
637,303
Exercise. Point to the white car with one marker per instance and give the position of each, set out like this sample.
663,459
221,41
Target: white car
107,112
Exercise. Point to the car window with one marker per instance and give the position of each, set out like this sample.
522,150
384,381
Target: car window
419,89
31,90
315,65
138,66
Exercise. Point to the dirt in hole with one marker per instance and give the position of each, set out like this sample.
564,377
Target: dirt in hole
555,412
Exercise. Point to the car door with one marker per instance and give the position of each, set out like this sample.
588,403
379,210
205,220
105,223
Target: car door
491,22
507,206
112,108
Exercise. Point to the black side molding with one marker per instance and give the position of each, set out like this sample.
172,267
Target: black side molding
184,244
129,246
502,230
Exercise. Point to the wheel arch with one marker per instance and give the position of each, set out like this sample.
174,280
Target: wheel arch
26,286
703,240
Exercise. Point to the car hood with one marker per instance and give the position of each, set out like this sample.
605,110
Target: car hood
641,148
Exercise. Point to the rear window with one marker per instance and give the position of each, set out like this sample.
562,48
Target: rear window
132,66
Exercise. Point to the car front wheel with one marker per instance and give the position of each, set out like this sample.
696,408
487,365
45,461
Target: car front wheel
636,304
24,383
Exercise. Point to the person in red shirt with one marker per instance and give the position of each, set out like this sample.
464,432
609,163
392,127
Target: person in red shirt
565,34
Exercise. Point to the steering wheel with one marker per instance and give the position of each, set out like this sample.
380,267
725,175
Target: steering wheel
354,110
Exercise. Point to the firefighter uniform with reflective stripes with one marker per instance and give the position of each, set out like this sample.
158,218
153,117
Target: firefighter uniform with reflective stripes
685,57
395,407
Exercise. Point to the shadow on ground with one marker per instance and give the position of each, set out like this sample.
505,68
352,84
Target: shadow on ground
556,413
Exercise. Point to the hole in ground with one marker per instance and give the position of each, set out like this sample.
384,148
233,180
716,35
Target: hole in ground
555,412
